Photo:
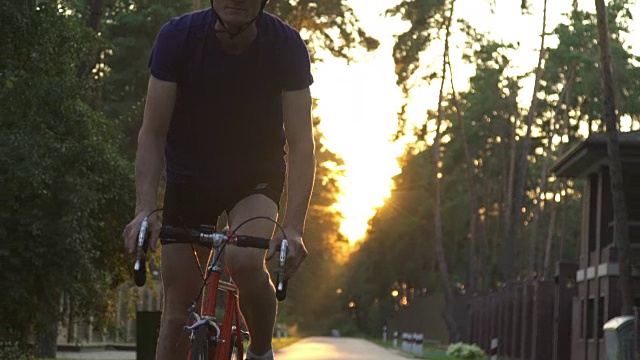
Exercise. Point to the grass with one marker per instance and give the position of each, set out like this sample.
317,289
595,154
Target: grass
283,342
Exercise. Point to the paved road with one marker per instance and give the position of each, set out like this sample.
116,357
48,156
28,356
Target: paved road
97,354
314,348
326,348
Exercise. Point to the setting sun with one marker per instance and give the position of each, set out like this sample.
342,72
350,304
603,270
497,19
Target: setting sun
363,119
358,105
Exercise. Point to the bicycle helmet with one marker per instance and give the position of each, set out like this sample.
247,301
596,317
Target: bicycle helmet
241,29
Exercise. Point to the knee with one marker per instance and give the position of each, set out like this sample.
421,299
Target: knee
248,269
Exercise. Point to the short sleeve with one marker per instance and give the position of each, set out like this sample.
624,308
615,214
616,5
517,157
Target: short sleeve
297,69
165,56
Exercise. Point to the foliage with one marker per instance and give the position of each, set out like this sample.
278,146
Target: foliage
330,24
398,250
464,351
573,69
66,185
131,32
427,18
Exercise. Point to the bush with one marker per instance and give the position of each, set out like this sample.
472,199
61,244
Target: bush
464,351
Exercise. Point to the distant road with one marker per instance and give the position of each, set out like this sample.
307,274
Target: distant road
97,355
314,348
332,348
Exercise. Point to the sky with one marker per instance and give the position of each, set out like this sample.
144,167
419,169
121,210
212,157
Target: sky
358,102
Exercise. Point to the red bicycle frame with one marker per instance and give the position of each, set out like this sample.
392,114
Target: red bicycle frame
223,349
225,336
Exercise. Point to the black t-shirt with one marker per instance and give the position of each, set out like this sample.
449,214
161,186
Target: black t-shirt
228,116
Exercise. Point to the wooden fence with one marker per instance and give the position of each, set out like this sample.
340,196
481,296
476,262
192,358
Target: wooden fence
531,320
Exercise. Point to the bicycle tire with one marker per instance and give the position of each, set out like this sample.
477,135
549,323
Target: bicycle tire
200,344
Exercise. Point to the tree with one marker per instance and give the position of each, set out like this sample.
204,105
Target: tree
620,215
427,20
477,269
574,63
486,111
443,268
327,24
398,249
67,186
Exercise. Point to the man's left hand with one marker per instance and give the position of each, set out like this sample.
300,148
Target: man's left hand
296,254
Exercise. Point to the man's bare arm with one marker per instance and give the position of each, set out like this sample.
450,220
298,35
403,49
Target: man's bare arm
161,96
301,157
301,166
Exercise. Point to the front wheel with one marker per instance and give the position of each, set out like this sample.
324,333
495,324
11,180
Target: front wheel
200,344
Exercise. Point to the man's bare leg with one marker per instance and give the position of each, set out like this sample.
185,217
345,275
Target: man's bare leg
181,283
257,293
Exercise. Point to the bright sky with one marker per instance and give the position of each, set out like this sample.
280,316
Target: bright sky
359,102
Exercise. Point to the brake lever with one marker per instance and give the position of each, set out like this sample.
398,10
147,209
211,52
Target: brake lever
140,268
281,287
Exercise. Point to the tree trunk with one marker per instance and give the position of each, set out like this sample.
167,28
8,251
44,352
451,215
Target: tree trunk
95,9
454,333
563,121
495,189
94,15
71,320
477,246
546,268
197,4
513,230
508,244
47,341
46,334
620,216
533,237
550,153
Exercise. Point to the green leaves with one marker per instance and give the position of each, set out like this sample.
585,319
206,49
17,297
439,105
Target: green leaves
573,66
427,17
330,24
67,184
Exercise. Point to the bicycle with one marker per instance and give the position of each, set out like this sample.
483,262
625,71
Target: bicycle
212,339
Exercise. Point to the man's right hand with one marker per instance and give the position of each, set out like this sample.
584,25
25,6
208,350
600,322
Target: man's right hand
130,233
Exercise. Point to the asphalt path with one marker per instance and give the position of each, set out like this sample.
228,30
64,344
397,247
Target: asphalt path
336,348
313,348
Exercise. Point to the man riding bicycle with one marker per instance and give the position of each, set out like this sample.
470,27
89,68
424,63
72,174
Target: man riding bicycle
229,88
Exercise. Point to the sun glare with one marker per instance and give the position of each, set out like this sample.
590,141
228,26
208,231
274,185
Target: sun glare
358,105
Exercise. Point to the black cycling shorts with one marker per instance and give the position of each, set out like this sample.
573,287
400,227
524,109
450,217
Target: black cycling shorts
191,204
